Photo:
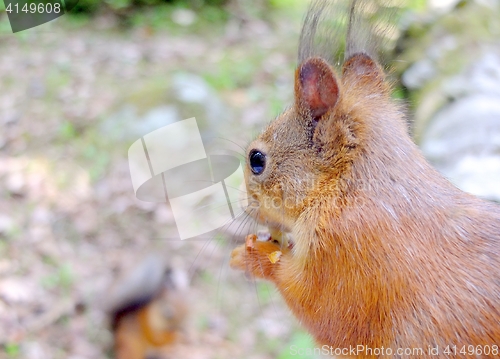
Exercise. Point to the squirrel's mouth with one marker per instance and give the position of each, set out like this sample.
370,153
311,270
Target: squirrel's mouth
278,231
280,234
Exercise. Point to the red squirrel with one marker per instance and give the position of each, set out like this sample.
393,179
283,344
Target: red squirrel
385,252
148,310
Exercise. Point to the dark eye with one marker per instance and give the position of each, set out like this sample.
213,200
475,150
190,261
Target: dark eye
257,161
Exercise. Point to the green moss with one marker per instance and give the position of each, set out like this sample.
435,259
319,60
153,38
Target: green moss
300,346
12,350
399,93
62,278
234,71
208,19
127,8
265,291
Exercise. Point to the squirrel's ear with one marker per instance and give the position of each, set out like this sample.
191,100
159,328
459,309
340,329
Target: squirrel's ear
316,87
362,66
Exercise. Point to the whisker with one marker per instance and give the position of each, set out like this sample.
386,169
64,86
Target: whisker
224,265
191,270
207,241
225,139
218,204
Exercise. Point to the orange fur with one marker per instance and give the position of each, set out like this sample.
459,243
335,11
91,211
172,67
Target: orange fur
387,253
136,337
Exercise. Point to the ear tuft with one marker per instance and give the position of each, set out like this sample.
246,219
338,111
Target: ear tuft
316,87
362,65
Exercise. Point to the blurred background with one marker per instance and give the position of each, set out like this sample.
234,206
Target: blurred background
75,93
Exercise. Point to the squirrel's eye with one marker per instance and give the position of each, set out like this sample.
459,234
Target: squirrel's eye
257,161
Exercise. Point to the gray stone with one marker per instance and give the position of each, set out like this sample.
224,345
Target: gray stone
463,142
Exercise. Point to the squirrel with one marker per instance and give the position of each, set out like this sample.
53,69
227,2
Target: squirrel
147,309
370,246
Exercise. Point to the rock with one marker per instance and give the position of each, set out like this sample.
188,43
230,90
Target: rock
183,17
463,142
183,96
455,80
419,73
6,224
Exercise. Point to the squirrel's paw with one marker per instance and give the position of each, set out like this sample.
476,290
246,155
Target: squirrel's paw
256,258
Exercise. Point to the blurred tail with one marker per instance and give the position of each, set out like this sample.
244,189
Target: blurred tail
337,29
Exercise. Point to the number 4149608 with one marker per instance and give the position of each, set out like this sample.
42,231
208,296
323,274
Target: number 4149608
41,8
472,350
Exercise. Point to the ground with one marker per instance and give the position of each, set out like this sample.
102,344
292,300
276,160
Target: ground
75,95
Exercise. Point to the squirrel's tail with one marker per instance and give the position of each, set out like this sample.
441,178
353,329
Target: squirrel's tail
337,29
